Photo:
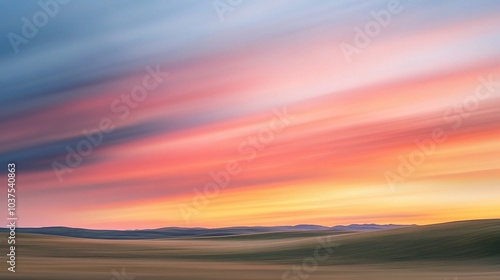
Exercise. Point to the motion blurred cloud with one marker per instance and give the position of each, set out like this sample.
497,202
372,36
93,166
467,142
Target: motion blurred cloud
352,121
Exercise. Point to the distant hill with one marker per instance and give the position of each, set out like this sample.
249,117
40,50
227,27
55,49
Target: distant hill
368,227
464,241
179,232
457,243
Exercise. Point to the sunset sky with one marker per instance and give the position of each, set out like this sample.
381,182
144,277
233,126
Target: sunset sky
346,123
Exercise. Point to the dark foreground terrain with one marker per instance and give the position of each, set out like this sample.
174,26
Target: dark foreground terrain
459,250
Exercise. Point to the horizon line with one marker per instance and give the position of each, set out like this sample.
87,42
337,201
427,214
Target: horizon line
199,227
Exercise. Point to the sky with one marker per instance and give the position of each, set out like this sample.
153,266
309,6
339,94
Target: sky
127,115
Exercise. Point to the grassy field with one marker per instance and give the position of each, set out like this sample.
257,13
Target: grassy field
461,250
